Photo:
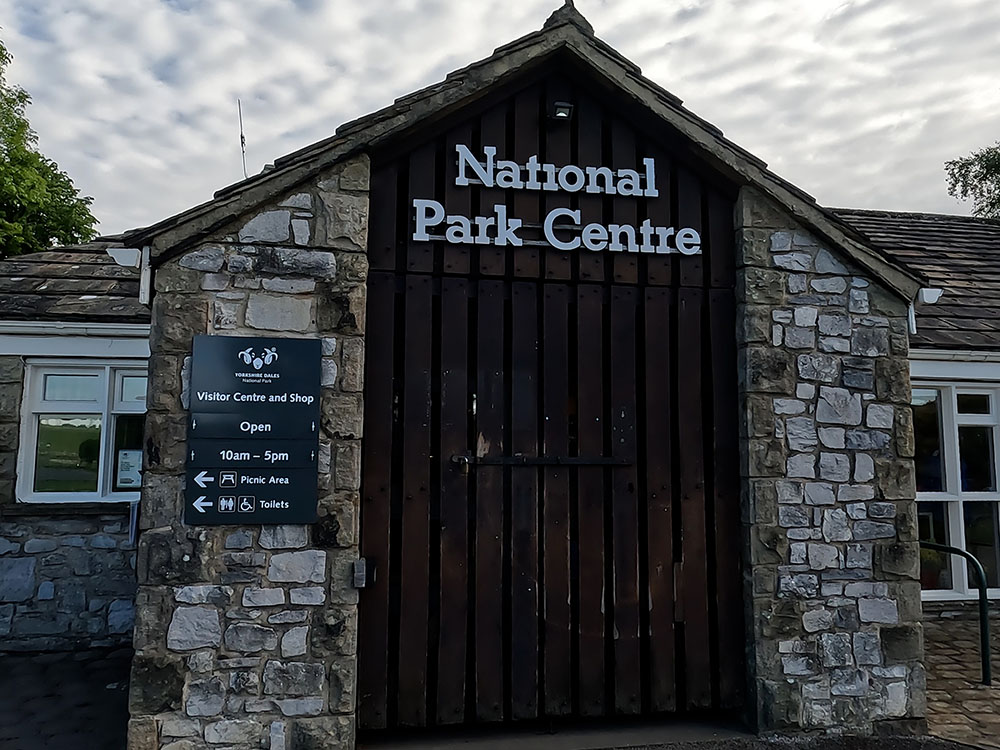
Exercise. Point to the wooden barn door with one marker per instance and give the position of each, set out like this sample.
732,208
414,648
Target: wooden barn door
550,480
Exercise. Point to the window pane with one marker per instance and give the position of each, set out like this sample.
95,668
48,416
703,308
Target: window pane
133,389
72,387
975,456
973,403
928,459
981,539
128,452
935,567
67,454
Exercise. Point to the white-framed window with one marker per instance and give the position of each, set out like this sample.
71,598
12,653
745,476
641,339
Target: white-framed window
957,435
81,431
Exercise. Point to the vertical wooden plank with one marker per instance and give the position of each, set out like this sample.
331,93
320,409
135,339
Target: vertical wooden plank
659,479
726,486
373,648
589,588
721,242
414,578
694,564
457,200
689,215
589,144
382,221
454,501
527,203
659,267
555,436
626,516
626,264
524,503
423,161
489,502
558,151
493,132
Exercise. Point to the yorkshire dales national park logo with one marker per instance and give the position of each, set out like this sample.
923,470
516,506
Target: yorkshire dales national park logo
260,362
257,361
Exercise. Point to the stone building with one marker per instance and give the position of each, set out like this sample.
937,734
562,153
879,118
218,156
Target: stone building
612,422
74,342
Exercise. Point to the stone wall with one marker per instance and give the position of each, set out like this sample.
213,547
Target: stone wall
67,580
11,392
826,450
65,583
246,636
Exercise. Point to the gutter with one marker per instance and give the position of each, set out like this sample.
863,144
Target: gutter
955,355
66,328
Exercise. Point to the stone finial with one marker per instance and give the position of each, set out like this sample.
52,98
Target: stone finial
569,14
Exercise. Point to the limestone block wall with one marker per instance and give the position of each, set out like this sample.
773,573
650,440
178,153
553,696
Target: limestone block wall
66,583
11,390
829,486
246,636
67,579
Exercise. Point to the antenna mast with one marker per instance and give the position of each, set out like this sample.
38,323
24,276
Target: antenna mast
243,140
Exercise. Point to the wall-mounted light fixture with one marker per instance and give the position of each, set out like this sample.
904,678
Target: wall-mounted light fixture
561,111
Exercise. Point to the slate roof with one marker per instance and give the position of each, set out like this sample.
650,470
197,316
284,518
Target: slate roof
959,254
77,283
566,33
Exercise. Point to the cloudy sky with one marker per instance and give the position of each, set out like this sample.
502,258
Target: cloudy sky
859,102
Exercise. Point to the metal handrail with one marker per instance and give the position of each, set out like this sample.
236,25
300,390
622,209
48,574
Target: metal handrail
984,612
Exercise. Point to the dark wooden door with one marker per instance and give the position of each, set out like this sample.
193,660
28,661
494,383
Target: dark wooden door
550,484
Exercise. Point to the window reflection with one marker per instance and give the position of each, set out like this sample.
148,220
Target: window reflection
928,459
67,457
935,567
973,403
133,388
127,457
71,387
975,454
981,539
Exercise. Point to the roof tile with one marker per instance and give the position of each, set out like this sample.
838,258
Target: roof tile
959,254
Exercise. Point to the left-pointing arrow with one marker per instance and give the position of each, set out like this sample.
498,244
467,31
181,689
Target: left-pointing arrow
200,504
203,479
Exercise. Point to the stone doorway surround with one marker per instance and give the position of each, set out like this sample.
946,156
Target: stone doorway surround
829,488
246,636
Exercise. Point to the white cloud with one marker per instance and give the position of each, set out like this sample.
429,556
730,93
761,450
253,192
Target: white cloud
858,102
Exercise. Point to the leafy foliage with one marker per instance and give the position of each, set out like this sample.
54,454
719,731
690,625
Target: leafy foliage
39,206
977,176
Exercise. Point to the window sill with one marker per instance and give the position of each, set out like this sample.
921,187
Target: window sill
52,509
956,597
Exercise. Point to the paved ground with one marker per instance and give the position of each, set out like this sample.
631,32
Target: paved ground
594,737
78,701
959,707
70,701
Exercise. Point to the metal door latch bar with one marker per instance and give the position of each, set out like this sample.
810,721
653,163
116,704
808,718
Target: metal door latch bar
466,461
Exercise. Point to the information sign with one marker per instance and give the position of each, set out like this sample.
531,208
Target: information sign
253,434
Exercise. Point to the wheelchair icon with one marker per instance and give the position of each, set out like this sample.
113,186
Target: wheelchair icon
247,504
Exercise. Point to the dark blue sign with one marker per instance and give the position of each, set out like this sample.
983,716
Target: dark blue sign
253,434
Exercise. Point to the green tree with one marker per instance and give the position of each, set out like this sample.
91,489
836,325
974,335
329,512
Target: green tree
39,206
977,176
